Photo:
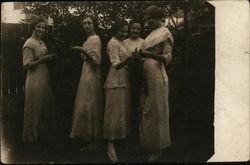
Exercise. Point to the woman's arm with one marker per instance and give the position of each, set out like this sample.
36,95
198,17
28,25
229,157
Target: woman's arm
88,57
154,56
124,62
147,54
30,63
167,51
39,61
117,63
83,57
166,56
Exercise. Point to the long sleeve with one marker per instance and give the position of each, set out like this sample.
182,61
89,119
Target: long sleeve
93,48
167,51
117,77
27,56
113,51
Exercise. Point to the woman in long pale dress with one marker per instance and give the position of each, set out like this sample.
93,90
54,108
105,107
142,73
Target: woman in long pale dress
132,43
117,90
39,99
157,52
88,108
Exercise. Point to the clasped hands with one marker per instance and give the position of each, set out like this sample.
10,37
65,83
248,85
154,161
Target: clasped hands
140,54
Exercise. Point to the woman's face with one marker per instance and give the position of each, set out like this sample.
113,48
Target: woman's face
39,29
122,33
151,23
135,31
88,25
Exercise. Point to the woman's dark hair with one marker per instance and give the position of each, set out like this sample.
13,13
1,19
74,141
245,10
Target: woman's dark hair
95,24
37,21
117,26
94,20
154,12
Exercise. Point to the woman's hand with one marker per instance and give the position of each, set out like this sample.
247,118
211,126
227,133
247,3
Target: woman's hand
146,54
125,61
49,57
137,53
80,49
83,57
77,48
130,58
42,59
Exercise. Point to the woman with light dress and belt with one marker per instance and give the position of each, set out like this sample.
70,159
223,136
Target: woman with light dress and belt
117,90
39,105
157,53
88,109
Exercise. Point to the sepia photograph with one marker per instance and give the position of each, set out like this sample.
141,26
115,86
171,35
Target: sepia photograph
112,82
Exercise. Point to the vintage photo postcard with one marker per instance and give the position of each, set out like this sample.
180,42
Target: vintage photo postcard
125,81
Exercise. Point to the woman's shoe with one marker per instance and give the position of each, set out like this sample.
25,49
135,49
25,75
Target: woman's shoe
87,148
155,156
112,156
90,147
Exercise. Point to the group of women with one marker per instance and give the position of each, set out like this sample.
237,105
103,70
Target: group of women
91,119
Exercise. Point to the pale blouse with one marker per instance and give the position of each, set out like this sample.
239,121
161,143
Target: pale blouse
91,48
117,52
33,50
133,44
